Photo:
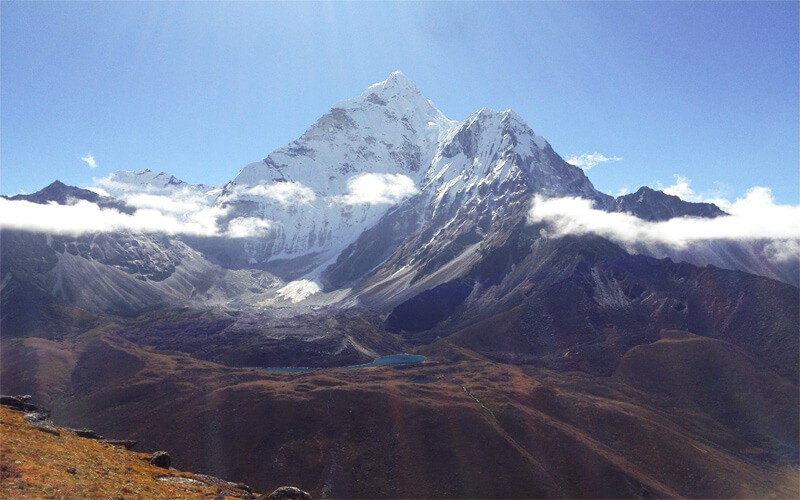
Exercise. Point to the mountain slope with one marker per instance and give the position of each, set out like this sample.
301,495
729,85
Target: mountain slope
59,463
455,426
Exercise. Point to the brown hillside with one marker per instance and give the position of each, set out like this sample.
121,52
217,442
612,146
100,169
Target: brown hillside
37,464
456,426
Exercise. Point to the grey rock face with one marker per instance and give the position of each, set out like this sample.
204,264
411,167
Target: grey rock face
652,205
289,493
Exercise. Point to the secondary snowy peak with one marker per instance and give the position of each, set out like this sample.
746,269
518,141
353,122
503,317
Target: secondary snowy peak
505,122
497,154
480,135
126,182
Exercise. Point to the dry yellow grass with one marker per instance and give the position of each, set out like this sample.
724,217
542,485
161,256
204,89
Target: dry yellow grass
35,464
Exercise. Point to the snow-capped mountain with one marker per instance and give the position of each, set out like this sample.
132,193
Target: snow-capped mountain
385,171
366,157
477,188
494,152
325,189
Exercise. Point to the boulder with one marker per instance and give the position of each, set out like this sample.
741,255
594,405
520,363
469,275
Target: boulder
15,402
161,459
21,403
87,433
47,427
289,493
40,419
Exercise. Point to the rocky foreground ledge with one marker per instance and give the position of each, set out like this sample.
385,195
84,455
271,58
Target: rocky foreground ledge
41,460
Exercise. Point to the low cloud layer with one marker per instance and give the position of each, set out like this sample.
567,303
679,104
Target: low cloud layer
587,161
182,209
377,189
154,214
755,216
167,204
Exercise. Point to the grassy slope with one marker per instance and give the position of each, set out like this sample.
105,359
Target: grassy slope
35,464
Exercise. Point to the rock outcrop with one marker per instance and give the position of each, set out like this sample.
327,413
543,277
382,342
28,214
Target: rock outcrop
161,459
289,493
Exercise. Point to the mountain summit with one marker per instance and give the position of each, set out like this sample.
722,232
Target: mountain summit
389,128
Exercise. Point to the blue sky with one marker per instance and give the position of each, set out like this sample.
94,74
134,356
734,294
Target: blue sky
705,90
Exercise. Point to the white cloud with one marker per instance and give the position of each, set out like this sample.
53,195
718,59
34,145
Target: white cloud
587,161
153,215
682,188
184,202
756,216
85,217
622,191
108,185
89,160
285,193
248,227
168,204
377,189
783,251
170,209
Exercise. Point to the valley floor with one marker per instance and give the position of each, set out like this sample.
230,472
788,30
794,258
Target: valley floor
686,416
